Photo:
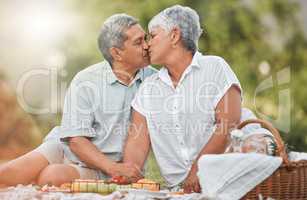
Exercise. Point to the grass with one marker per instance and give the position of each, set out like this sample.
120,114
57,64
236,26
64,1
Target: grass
152,171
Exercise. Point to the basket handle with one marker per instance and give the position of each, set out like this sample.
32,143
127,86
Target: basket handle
279,142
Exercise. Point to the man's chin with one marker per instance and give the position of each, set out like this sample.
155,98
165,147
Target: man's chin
144,64
146,61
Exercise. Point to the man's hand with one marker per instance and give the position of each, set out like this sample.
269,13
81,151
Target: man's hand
130,172
191,183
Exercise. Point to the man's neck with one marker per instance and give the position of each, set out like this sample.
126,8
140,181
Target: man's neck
123,73
177,64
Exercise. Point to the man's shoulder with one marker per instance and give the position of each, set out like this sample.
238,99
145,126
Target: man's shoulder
90,72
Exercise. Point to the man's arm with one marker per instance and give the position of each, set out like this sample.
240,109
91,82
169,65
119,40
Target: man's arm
88,153
76,126
227,114
138,142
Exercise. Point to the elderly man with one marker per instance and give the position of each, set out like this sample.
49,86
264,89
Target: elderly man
189,107
95,117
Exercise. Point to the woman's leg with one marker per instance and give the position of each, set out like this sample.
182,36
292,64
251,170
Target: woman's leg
22,170
58,174
27,168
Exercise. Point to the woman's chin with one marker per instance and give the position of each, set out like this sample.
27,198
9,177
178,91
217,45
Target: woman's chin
154,61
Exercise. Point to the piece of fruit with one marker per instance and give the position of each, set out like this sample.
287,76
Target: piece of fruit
119,180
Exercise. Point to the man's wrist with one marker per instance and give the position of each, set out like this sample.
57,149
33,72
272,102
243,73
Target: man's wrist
109,168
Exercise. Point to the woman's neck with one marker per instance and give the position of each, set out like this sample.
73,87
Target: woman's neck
177,64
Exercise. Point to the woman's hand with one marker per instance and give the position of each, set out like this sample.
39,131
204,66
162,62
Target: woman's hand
191,183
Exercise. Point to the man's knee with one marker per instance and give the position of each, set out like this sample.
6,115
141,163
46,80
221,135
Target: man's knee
57,174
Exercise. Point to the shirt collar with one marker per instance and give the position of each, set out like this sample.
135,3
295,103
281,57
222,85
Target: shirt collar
164,76
112,78
195,58
140,75
163,72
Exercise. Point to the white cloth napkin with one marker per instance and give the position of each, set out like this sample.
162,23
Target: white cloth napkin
254,128
231,176
297,156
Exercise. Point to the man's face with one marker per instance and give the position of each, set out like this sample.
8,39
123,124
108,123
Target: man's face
159,45
134,51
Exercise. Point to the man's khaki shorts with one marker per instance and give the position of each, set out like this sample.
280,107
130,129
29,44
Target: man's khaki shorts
52,150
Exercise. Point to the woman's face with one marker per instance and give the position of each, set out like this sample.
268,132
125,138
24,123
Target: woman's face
159,45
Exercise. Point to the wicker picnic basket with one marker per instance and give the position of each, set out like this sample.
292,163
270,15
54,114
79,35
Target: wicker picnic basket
289,181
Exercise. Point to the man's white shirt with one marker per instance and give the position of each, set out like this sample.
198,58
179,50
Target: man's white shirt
98,106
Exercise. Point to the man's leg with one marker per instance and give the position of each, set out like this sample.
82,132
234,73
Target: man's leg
26,169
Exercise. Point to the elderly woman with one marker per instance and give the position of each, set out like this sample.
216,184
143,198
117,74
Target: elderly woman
189,107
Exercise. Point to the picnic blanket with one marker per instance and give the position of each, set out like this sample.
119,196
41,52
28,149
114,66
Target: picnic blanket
31,192
22,192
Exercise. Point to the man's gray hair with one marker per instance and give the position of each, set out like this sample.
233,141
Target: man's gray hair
185,18
112,33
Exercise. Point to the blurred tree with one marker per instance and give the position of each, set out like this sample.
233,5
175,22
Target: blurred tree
18,132
258,39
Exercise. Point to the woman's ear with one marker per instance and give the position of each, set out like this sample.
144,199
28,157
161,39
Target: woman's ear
115,53
175,35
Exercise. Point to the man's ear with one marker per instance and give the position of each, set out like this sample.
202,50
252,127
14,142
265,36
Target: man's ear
115,53
175,35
